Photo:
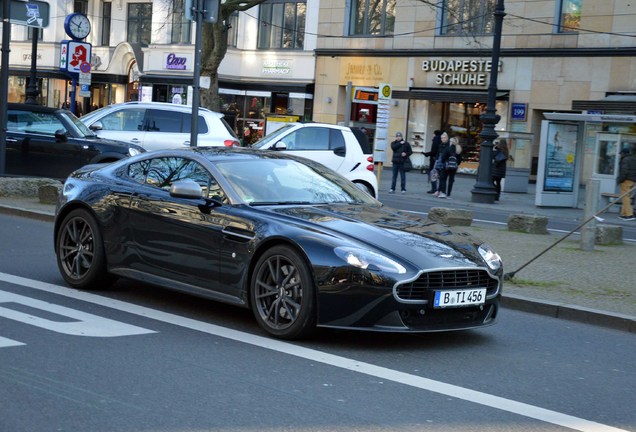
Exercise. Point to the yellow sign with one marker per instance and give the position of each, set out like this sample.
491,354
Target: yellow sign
385,91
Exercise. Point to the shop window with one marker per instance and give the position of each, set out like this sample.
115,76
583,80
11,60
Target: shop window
107,9
569,15
231,24
181,26
282,24
369,17
139,23
467,17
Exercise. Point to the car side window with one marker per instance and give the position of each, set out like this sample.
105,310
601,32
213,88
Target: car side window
33,122
311,138
124,120
202,125
164,121
337,140
162,172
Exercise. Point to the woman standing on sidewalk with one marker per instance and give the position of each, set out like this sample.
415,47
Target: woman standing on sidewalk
439,166
451,160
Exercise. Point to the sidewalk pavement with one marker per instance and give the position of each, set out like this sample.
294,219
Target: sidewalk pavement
596,287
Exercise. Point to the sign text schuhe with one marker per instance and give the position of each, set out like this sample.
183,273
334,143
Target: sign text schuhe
460,72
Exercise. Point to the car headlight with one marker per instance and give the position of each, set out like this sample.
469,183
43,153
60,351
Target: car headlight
490,256
132,151
368,260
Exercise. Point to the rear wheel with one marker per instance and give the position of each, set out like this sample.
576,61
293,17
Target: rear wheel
80,252
283,294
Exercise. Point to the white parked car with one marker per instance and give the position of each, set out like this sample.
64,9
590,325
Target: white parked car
343,149
159,125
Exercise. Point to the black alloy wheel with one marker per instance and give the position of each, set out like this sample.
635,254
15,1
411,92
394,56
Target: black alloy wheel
80,251
283,295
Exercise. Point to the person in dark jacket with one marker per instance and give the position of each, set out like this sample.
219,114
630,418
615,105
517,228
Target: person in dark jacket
451,160
626,180
432,155
500,157
439,166
401,152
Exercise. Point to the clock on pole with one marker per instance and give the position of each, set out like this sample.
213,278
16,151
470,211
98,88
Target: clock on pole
77,26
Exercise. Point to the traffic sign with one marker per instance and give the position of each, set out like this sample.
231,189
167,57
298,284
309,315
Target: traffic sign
30,13
85,67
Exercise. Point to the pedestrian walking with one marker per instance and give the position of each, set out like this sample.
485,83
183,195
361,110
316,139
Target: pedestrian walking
432,156
401,153
626,180
500,157
439,166
451,160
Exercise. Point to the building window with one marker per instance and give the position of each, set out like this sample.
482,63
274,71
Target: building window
180,25
231,24
282,24
467,17
569,15
80,6
139,23
106,17
32,30
372,17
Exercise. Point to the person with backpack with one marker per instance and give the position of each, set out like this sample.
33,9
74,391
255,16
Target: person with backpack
451,158
500,156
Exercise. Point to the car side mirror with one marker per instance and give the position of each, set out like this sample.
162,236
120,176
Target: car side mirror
186,189
280,146
97,126
60,135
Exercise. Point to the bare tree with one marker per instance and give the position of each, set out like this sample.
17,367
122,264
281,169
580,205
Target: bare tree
214,48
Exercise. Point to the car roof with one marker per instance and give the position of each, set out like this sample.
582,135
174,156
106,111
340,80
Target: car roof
32,108
163,105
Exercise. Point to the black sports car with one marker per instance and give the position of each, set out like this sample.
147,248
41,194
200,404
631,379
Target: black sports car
295,242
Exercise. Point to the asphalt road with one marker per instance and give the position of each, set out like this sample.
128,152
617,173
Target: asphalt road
135,358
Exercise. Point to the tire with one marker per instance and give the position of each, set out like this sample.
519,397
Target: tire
80,252
364,187
282,294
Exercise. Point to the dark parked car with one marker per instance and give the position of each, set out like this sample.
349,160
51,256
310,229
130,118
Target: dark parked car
294,241
49,142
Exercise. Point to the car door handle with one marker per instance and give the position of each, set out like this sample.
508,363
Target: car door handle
135,140
11,140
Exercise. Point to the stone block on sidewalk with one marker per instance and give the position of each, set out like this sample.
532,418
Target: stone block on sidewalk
49,193
24,187
451,216
528,223
608,235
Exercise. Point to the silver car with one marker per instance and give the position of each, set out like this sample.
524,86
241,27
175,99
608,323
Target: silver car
159,125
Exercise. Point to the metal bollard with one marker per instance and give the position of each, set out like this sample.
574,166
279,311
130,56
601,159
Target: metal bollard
588,232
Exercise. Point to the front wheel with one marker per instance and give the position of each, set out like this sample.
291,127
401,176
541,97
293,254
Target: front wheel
80,252
283,295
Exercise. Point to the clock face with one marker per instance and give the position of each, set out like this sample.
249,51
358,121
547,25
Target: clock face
77,26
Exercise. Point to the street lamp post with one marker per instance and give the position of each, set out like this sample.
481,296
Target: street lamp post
484,190
32,90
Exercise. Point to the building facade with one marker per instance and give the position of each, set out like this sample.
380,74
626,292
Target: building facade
574,56
143,50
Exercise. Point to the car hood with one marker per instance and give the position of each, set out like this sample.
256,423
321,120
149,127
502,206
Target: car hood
406,235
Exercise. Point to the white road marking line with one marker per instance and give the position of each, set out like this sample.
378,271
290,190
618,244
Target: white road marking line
477,397
6,342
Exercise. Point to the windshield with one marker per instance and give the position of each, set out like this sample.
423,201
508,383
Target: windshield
270,139
80,128
287,181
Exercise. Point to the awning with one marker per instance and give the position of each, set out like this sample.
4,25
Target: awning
465,96
618,103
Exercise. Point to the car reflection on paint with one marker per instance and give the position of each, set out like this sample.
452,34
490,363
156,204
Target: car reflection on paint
295,242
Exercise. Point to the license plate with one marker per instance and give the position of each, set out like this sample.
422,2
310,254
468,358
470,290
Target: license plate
469,297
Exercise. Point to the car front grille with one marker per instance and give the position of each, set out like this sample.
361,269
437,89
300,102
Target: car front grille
423,288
